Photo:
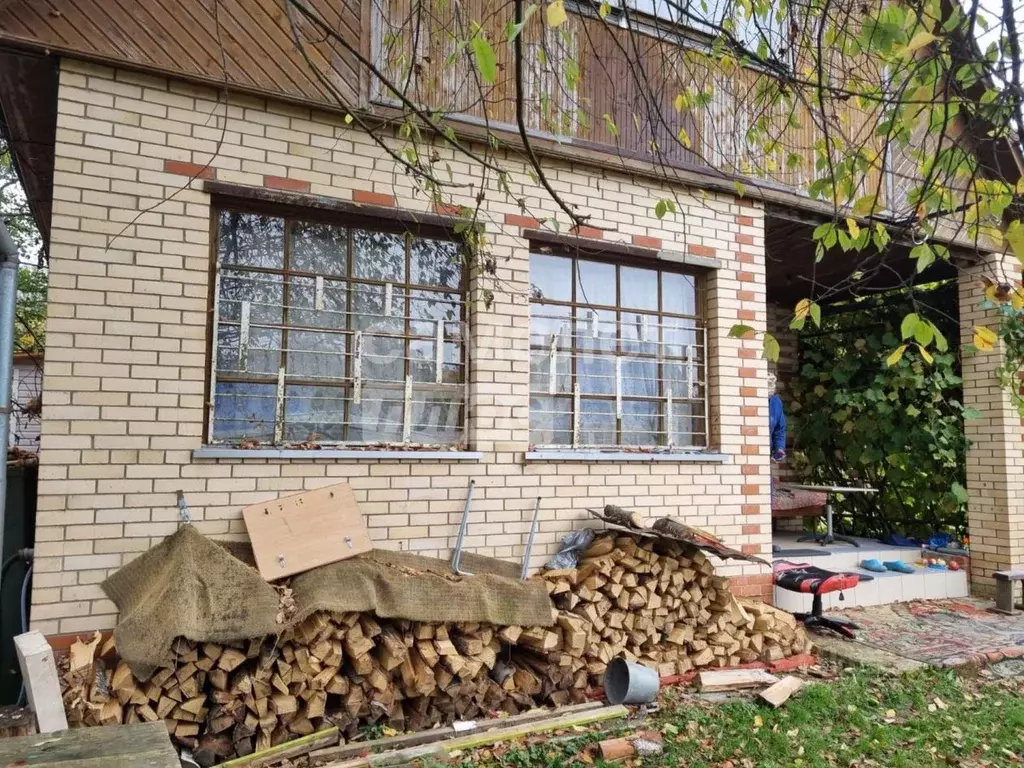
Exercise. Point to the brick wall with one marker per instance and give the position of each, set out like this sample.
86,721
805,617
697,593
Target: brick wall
126,346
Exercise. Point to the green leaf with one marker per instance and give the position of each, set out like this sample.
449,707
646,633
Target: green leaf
924,333
815,312
959,492
909,325
664,206
684,138
1015,239
348,119
771,348
740,189
971,413
895,355
680,102
486,60
940,341
739,331
613,129
924,254
913,410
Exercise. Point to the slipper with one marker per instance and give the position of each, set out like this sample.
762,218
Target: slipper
899,566
872,565
940,566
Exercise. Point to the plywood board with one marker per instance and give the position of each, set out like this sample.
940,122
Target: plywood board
142,745
296,533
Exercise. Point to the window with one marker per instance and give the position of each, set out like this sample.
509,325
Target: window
329,334
617,356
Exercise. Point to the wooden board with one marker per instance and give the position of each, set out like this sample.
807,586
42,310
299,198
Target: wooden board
142,745
296,533
779,693
734,680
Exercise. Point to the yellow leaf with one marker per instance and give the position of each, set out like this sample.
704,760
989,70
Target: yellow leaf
680,102
556,15
990,293
896,354
1020,186
684,138
920,40
1017,298
926,355
984,338
803,308
758,721
852,226
1014,236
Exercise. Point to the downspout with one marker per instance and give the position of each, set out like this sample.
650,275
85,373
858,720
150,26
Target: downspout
8,299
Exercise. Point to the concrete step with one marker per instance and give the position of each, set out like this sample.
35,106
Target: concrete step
886,588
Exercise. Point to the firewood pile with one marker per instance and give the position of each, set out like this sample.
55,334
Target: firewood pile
638,598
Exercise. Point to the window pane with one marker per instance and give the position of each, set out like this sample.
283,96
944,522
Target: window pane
550,421
227,347
380,256
264,351
423,363
595,333
319,248
547,319
314,414
250,239
436,417
302,303
688,425
316,355
550,277
639,377
595,283
679,293
540,371
433,305
265,294
597,422
371,310
680,340
383,358
639,288
639,333
436,262
244,411
640,422
377,418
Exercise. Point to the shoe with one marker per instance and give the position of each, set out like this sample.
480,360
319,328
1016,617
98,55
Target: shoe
899,566
872,565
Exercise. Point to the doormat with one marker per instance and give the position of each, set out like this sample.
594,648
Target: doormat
943,633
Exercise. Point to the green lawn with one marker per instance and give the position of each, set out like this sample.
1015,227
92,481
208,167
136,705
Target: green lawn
860,719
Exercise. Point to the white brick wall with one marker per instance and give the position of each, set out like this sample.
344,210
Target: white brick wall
125,367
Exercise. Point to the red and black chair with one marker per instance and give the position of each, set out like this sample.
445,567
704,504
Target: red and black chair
810,579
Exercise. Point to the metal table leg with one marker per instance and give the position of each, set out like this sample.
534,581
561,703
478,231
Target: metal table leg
829,537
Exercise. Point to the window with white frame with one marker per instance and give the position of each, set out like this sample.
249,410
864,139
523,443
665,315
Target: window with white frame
333,334
618,356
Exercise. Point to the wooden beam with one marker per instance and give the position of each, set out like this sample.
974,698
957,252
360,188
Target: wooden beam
39,671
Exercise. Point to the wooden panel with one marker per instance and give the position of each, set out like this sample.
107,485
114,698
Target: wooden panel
142,745
300,532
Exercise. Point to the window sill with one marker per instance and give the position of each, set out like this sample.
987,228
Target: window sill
704,457
328,454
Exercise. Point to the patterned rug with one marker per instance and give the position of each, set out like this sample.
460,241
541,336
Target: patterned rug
943,633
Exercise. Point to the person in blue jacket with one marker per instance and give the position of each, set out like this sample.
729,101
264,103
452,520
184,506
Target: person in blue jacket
776,421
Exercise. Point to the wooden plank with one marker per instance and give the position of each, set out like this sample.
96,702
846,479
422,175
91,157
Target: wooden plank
300,532
405,740
39,671
734,680
142,745
779,693
294,748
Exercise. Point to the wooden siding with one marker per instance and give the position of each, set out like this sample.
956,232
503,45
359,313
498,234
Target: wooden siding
183,37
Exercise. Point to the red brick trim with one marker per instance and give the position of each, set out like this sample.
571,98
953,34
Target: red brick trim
647,242
280,182
447,209
745,221
701,250
372,198
745,239
518,220
194,170
591,232
751,509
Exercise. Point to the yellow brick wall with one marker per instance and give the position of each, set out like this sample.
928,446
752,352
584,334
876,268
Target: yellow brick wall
126,347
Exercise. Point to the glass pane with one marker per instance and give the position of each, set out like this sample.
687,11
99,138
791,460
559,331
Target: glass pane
639,333
540,372
547,319
688,425
378,417
640,422
423,364
251,240
380,256
319,248
596,329
550,277
264,352
265,294
371,311
639,377
639,288
595,373
432,305
436,417
314,414
244,411
681,378
595,332
679,293
551,421
383,358
597,422
227,347
316,355
680,340
436,262
302,309
595,283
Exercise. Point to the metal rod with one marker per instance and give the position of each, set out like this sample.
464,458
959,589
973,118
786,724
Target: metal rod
439,353
243,337
279,411
407,411
529,541
8,299
463,526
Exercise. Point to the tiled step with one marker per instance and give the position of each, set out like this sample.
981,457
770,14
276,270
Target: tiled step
886,588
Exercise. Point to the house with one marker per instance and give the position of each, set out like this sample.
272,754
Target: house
249,298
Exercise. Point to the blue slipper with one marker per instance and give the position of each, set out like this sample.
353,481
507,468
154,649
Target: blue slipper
872,565
938,566
899,566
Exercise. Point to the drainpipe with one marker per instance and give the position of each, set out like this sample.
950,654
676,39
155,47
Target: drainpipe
8,299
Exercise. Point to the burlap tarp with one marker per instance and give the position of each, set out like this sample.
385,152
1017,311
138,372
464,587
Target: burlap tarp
191,586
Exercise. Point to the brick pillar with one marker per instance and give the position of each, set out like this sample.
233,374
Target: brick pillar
995,462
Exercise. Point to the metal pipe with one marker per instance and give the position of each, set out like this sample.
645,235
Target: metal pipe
529,542
463,526
8,299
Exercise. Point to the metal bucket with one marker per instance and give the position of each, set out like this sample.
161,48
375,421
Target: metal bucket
626,682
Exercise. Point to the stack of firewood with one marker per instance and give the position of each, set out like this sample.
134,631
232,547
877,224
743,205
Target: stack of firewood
629,597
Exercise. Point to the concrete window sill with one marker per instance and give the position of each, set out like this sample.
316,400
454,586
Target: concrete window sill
705,457
332,454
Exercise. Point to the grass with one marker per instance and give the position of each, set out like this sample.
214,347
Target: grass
859,720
